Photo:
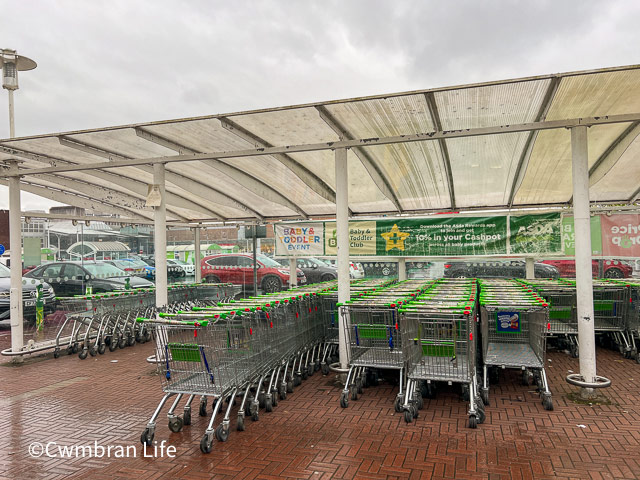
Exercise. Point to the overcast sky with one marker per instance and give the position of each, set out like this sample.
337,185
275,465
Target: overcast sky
115,62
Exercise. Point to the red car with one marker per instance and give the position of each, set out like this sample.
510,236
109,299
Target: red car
610,268
237,268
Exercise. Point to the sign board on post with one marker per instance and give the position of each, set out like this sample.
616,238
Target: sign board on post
299,239
620,235
260,231
569,236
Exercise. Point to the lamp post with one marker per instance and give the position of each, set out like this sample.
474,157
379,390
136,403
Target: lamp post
12,63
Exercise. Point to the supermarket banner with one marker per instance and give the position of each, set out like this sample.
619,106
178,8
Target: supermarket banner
442,236
362,238
620,235
535,234
299,239
434,236
569,236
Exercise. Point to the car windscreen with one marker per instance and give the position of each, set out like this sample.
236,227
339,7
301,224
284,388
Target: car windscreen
268,262
104,270
4,271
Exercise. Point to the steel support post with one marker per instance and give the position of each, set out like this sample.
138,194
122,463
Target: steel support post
584,282
160,237
15,245
196,258
293,272
342,236
530,272
402,269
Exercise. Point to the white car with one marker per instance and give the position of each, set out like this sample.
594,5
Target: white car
188,268
356,270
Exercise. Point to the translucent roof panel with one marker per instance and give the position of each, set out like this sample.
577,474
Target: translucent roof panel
548,173
233,185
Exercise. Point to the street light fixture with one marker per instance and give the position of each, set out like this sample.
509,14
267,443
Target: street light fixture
12,63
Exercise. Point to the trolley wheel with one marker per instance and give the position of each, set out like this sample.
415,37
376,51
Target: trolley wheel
248,407
222,433
202,411
408,415
261,400
484,394
75,348
83,353
186,417
282,392
344,400
325,369
93,351
131,340
101,348
419,402
147,437
113,344
465,393
479,402
310,370
359,383
255,416
547,403
122,342
147,335
206,444
107,340
397,404
354,392
316,365
268,405
638,358
175,424
473,421
573,351
482,416
525,378
414,410
56,353
240,423
290,386
304,375
297,380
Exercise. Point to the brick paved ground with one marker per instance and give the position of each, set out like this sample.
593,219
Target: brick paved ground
74,402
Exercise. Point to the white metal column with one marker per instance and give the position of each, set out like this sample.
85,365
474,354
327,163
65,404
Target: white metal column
196,258
342,236
584,283
530,271
402,269
15,245
160,237
293,271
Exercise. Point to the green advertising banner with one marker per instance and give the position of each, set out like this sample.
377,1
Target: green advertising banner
434,236
569,236
535,234
442,236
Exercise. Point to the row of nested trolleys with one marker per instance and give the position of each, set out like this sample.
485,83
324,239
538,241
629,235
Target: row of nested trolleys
427,331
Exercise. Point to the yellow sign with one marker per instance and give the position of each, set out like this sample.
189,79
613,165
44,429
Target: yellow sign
394,238
362,238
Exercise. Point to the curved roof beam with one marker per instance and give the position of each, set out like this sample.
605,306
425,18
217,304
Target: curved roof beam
442,143
309,178
136,186
521,168
249,182
613,153
79,200
367,161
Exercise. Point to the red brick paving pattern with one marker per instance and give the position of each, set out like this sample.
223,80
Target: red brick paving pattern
309,436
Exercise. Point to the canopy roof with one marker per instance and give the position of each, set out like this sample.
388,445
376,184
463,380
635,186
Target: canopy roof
413,152
83,247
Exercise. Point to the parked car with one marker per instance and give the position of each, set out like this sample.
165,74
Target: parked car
29,292
316,270
188,269
173,271
72,278
356,270
128,267
610,268
237,268
149,270
497,269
